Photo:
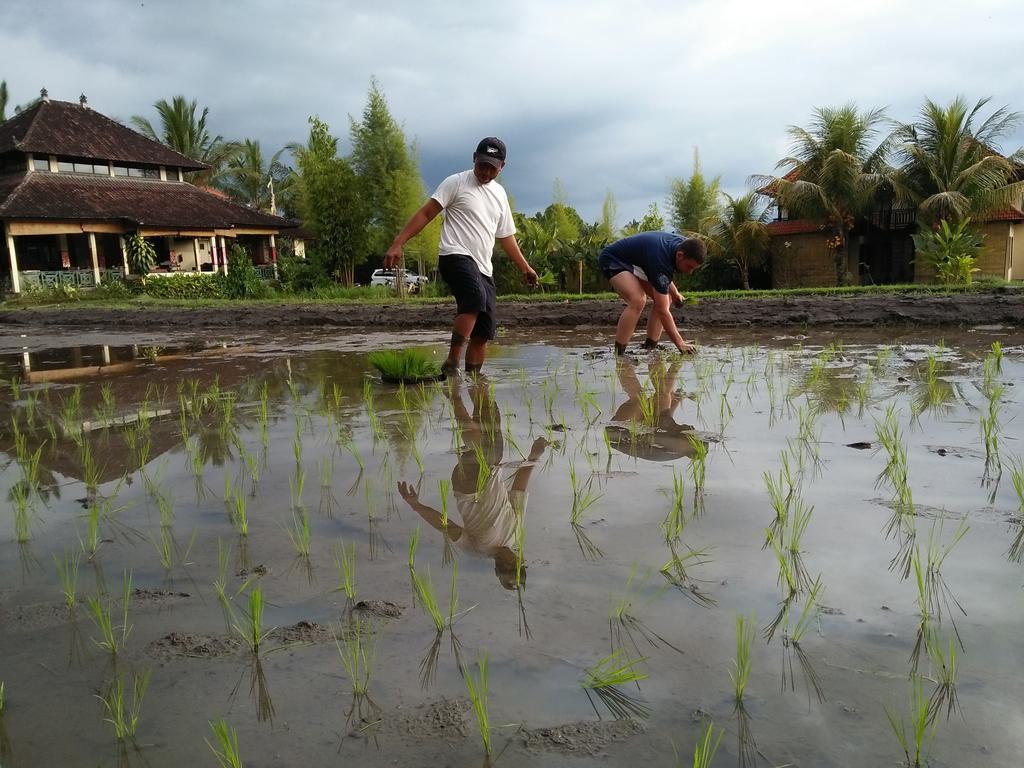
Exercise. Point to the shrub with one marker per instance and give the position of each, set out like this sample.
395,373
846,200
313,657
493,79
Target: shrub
301,275
113,290
243,281
141,254
186,286
951,251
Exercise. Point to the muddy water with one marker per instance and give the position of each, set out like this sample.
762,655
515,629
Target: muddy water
551,404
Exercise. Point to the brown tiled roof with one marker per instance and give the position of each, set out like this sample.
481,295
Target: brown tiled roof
63,128
1009,213
145,202
794,227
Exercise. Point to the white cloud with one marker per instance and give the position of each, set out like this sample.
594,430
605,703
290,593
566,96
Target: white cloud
600,94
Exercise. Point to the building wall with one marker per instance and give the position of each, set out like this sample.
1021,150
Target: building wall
182,254
992,259
1017,236
806,262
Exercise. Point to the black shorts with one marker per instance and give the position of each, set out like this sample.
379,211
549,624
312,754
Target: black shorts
473,291
610,266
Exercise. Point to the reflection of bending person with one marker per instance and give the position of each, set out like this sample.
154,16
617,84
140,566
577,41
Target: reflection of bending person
488,510
663,439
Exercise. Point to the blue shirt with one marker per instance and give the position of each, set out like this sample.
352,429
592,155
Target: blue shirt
652,252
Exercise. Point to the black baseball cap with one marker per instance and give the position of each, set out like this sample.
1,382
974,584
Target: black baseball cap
490,150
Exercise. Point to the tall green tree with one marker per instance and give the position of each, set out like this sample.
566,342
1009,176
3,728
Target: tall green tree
609,211
389,173
693,203
185,131
331,203
249,175
741,233
836,172
651,222
950,163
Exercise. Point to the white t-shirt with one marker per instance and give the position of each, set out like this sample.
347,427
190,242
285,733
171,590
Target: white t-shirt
489,517
475,215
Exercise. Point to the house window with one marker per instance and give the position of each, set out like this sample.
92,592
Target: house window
41,163
120,170
143,173
65,166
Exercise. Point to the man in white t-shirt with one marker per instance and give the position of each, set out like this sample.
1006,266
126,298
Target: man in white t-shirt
476,213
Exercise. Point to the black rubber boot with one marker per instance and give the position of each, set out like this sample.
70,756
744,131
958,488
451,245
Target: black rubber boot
620,349
650,344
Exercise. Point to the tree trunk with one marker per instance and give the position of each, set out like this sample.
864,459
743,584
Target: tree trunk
745,277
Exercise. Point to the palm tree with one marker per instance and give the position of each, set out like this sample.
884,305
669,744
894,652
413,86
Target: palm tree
741,232
950,169
835,172
248,177
183,132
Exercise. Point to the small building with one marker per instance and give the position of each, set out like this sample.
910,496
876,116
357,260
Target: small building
74,184
880,248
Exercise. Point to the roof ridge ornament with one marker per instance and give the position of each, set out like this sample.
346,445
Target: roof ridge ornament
44,94
83,101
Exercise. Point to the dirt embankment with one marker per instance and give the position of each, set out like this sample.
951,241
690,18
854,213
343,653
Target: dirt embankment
1002,305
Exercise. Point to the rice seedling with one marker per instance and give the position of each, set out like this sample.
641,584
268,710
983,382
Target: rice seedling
228,755
1,697
221,582
483,467
357,649
112,637
67,573
404,365
583,495
22,509
791,643
520,539
91,544
424,589
623,620
125,719
990,428
707,745
1016,551
250,627
917,741
299,532
476,686
933,594
943,667
698,464
997,356
676,573
605,677
238,507
414,542
742,662
443,487
345,561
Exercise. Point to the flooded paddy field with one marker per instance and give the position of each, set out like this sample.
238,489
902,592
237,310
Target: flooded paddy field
807,543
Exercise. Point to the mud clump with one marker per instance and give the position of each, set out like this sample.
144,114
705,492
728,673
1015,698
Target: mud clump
178,645
302,632
379,609
145,596
583,738
444,719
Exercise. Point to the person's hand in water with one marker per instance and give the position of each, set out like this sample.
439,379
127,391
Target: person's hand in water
537,449
408,492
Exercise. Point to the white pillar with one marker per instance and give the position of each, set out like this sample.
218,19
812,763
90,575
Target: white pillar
26,362
224,253
124,254
273,254
106,354
195,251
15,282
95,258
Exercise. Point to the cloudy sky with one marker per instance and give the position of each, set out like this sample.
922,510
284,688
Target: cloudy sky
601,95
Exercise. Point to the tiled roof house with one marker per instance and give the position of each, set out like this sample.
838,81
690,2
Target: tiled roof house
74,183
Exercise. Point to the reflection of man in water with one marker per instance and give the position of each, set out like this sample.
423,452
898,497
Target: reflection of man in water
488,514
663,439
